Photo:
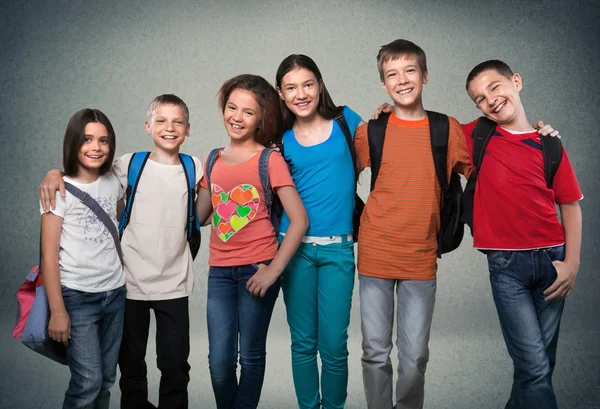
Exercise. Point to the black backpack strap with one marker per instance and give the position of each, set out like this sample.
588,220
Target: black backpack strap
481,136
439,129
134,172
553,152
263,173
376,137
341,121
210,163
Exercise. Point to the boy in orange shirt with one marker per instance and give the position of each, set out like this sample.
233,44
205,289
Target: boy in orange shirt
397,246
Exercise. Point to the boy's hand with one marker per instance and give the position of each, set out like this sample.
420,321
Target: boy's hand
383,108
51,183
546,130
262,280
59,327
274,146
566,273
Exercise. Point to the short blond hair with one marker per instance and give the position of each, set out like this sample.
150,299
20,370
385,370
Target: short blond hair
397,49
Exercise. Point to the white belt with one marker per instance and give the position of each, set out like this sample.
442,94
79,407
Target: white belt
323,240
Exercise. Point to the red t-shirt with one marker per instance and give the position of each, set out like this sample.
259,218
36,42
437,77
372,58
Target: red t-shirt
513,209
241,231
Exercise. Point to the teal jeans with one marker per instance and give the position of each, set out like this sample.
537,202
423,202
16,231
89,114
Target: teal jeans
317,290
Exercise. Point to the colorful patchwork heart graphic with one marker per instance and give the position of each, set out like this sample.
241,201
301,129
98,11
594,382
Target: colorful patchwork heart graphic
233,210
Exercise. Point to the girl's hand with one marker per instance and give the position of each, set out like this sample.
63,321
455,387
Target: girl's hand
262,280
59,327
383,108
51,183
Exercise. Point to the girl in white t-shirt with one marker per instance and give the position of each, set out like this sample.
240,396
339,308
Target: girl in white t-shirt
82,271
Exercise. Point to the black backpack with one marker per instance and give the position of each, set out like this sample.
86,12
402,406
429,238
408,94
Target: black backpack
551,150
451,225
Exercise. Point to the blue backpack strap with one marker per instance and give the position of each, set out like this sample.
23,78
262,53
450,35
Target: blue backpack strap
189,168
210,162
136,165
263,173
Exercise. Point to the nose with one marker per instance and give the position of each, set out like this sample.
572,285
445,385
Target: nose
170,126
237,116
95,145
301,93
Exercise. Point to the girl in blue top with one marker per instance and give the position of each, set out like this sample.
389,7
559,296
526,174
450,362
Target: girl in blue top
318,281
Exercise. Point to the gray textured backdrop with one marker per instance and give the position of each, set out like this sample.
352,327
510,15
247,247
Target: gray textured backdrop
60,56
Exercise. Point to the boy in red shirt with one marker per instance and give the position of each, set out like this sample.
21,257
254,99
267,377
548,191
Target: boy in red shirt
533,257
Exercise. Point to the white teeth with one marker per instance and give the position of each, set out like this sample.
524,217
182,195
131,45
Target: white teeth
405,91
169,137
499,107
236,126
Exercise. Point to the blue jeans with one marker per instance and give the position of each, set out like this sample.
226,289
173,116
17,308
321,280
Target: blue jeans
93,350
234,314
529,324
317,290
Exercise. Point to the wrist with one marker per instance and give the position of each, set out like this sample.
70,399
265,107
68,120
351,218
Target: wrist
573,263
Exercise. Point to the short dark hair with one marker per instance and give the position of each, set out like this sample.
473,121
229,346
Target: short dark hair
270,129
75,136
499,66
397,49
167,99
326,108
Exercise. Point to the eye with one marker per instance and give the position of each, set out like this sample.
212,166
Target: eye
391,75
231,107
104,141
249,113
290,88
309,85
179,122
160,121
411,70
87,139
494,87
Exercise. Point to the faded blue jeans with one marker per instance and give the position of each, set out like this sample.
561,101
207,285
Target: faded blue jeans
237,321
529,324
93,350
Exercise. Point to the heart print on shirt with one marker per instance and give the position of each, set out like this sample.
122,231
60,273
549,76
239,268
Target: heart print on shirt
233,210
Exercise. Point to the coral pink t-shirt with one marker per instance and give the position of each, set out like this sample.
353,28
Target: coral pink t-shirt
241,231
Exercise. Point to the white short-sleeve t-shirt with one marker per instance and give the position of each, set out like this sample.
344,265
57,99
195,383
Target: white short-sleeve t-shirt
88,259
156,254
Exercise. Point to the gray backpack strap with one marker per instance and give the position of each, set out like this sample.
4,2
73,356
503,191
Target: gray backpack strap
263,173
210,163
89,201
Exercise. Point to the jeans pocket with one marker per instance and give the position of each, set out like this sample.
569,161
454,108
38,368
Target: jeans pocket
556,253
71,294
500,260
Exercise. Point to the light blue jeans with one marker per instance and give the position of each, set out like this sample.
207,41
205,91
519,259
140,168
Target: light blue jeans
317,290
93,350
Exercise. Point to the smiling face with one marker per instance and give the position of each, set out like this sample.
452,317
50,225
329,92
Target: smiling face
300,90
497,96
95,149
168,127
242,115
403,80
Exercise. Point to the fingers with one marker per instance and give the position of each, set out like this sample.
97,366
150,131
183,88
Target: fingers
538,125
44,199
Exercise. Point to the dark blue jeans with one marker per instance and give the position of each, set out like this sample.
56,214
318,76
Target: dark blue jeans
529,324
93,350
234,314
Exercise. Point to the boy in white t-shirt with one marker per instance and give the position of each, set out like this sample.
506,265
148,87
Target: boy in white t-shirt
158,261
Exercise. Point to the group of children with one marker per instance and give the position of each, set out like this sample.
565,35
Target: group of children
533,257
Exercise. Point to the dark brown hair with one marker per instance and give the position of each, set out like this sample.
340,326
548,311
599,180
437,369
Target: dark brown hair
326,108
499,66
75,137
270,128
397,49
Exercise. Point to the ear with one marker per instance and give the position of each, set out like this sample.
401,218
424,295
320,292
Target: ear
425,78
187,132
518,81
280,94
148,128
